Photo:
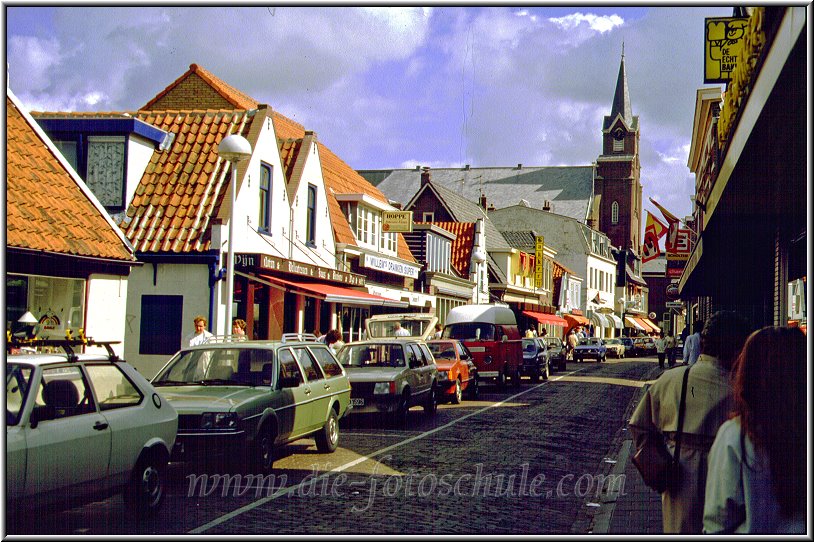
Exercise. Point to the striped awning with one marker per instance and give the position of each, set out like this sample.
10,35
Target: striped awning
576,320
633,322
617,322
600,320
650,323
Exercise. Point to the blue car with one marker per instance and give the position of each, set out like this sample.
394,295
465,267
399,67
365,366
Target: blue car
590,348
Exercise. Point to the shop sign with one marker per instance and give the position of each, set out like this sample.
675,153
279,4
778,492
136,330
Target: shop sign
724,38
672,291
539,244
266,262
389,266
397,221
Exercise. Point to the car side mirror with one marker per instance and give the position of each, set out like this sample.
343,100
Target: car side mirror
504,338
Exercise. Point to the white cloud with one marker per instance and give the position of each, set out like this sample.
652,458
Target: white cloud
598,23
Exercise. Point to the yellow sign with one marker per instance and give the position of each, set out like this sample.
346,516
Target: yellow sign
539,243
724,38
397,221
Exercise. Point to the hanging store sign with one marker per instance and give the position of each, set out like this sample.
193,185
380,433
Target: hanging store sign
266,262
397,221
724,39
539,244
389,266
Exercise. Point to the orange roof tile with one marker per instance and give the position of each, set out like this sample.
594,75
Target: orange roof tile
462,245
182,189
226,91
289,150
339,177
46,207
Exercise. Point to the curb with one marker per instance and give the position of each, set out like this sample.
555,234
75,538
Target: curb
602,519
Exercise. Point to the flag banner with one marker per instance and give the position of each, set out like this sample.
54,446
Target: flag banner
672,228
680,249
668,216
653,224
650,247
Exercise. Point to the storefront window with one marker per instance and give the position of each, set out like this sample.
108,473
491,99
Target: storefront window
58,304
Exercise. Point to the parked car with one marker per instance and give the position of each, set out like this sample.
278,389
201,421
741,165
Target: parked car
628,342
240,399
644,346
590,348
390,376
556,352
80,427
615,347
535,359
457,373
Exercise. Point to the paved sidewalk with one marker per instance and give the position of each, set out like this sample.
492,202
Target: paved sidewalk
632,508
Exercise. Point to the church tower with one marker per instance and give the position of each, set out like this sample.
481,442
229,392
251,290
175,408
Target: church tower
617,184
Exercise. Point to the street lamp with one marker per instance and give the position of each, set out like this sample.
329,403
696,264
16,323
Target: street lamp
233,148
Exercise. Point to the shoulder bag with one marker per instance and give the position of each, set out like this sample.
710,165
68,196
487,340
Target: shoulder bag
660,469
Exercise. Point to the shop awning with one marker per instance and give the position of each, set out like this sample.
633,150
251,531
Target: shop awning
576,320
617,322
544,318
336,294
633,322
650,323
600,320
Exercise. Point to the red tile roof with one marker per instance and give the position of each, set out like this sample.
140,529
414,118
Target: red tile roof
47,208
462,245
196,87
183,188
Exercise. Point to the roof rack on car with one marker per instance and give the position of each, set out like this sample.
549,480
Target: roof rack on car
220,339
293,337
67,344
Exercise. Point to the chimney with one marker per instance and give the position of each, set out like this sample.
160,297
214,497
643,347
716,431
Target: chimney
491,207
425,175
483,201
546,205
466,167
519,166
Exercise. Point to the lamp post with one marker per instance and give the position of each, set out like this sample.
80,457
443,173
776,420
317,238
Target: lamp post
233,148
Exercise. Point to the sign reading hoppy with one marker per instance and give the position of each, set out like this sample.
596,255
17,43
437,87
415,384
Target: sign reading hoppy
539,243
397,221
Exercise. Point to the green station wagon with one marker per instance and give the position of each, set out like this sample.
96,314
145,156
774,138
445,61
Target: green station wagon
240,399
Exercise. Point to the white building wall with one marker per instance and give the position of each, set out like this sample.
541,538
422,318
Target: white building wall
106,310
189,281
139,153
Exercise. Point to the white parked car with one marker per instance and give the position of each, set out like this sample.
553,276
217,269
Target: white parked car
81,427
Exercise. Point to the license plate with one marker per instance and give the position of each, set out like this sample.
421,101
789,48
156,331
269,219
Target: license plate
357,401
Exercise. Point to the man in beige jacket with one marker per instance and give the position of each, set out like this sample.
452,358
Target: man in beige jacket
708,404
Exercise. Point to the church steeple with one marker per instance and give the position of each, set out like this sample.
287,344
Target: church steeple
621,99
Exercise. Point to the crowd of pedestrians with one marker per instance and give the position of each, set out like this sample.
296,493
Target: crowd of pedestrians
742,464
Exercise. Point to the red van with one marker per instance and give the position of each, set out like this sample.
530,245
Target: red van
491,335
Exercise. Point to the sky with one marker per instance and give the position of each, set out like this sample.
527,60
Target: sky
395,87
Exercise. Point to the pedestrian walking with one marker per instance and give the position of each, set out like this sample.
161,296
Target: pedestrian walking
661,345
438,331
670,346
570,343
333,339
239,327
399,331
757,464
709,401
200,335
692,345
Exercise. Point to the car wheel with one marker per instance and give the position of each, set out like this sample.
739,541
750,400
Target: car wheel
516,378
601,358
501,380
400,415
261,452
145,491
546,372
431,403
473,389
327,438
535,376
457,394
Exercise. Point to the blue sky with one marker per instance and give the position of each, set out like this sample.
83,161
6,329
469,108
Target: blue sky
388,87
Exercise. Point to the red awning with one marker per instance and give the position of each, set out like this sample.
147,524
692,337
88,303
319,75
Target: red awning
650,323
544,318
645,323
576,320
336,294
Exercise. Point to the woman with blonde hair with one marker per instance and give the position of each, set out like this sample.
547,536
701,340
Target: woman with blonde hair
757,464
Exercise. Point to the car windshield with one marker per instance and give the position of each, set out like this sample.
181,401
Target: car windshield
613,341
218,366
553,343
372,355
529,345
384,328
592,341
470,331
18,382
442,350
